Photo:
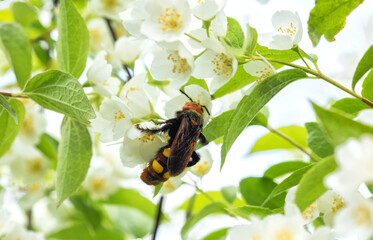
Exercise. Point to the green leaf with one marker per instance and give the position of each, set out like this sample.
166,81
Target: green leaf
288,182
328,17
250,40
9,129
60,92
24,13
318,141
132,198
252,103
229,193
312,186
235,36
284,55
48,146
217,235
17,49
283,168
4,104
339,127
367,91
87,210
272,141
350,105
200,82
248,210
74,156
365,64
77,231
212,208
255,191
73,39
216,127
238,81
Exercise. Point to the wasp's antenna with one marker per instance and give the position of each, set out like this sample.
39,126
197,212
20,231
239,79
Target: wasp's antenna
186,95
206,110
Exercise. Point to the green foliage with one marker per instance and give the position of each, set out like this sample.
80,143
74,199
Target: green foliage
212,208
26,15
238,81
17,49
74,156
283,168
229,193
288,183
256,190
217,235
312,186
252,103
60,92
5,105
367,91
365,64
284,55
350,105
250,40
235,36
339,127
272,141
132,198
318,141
248,211
195,81
9,128
328,17
73,39
48,145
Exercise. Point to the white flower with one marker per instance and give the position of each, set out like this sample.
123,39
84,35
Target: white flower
207,9
32,193
133,17
356,219
288,31
258,68
128,49
100,74
329,204
113,120
28,165
100,36
284,227
323,233
172,184
204,164
15,231
34,123
355,161
101,181
110,8
365,116
175,62
215,63
167,20
253,231
308,215
4,221
230,101
140,147
138,96
197,94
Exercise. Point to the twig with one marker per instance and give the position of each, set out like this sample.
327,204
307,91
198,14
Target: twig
158,218
111,29
291,141
29,219
319,75
190,206
13,95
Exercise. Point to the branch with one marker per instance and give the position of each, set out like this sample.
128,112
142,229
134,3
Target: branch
158,218
17,95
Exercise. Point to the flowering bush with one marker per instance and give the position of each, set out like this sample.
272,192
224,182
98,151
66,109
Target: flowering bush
120,75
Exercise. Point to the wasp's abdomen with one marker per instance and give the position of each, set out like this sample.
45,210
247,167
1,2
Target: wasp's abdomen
157,171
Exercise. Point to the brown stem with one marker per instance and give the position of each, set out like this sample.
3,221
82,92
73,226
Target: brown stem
13,95
29,219
158,218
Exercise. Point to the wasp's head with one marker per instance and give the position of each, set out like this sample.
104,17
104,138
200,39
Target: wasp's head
192,106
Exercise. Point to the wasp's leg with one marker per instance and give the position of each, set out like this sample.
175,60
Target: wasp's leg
166,126
203,140
156,122
195,159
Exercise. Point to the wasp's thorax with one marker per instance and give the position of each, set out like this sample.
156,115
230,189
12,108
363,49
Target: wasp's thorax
192,106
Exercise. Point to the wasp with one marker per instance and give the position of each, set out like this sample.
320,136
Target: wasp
183,131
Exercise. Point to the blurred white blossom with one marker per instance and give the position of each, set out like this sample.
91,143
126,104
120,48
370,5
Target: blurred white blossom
207,9
204,165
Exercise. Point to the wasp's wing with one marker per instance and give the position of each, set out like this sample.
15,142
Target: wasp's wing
183,146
